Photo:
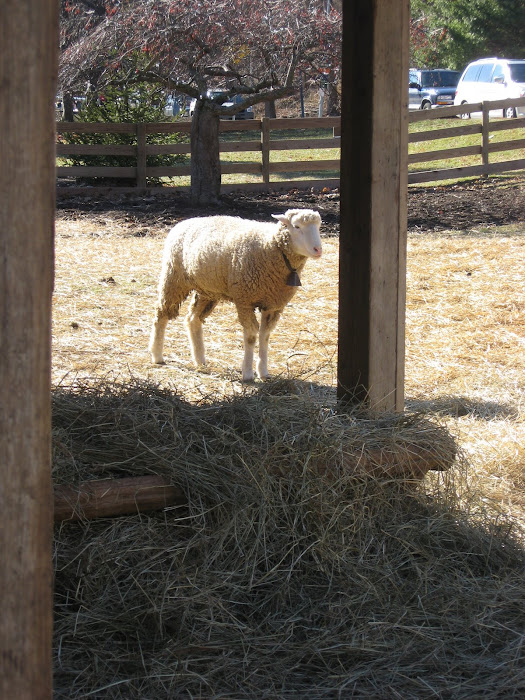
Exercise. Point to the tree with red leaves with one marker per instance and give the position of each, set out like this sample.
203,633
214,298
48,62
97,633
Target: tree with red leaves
252,50
426,42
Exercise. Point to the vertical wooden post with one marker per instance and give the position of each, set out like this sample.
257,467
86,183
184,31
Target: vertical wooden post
485,133
374,135
28,64
265,148
141,155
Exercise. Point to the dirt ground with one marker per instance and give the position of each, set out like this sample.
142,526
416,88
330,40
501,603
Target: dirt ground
291,586
491,202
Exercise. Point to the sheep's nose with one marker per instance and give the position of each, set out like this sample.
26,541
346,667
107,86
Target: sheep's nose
318,250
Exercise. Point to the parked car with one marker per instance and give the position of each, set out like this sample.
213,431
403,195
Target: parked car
78,103
493,79
431,88
176,106
236,99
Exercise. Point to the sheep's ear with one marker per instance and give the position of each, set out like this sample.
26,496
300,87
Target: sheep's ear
281,217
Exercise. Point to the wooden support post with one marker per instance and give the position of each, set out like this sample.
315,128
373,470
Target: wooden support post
374,126
28,66
265,148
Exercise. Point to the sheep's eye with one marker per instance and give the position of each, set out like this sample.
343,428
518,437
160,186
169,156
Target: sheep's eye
297,228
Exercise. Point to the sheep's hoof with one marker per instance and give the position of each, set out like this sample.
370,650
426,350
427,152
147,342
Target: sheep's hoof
248,379
262,370
160,361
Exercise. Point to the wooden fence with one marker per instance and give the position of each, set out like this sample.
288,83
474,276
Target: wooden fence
266,140
485,128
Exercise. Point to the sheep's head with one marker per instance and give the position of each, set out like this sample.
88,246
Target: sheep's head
303,227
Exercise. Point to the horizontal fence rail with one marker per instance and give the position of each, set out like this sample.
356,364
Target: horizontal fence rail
267,140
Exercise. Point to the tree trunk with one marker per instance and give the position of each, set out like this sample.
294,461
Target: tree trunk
269,109
333,108
68,107
205,159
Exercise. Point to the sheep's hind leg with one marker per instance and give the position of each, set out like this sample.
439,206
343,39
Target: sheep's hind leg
268,322
250,328
200,308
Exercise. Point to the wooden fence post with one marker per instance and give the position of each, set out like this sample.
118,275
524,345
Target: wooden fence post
28,67
374,148
265,150
141,155
485,132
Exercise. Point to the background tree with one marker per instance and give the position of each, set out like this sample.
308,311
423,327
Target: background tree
77,18
427,43
451,33
248,49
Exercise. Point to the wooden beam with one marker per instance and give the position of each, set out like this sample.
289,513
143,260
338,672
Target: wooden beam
111,497
374,134
28,67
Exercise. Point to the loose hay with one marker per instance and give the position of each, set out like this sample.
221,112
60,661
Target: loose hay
291,572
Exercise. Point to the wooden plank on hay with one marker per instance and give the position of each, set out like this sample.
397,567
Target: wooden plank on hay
113,497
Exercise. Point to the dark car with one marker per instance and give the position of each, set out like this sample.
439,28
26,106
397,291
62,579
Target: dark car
431,88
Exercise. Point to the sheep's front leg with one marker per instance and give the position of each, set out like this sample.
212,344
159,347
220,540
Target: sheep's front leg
167,308
250,328
156,341
268,322
200,308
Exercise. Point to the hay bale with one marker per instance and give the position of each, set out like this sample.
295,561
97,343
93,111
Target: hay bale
287,573
136,429
330,443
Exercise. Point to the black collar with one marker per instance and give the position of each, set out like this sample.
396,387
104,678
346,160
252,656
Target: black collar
293,278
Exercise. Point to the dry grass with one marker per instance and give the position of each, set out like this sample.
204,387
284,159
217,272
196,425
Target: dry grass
276,581
466,349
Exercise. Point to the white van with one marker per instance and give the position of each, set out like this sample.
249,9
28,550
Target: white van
493,79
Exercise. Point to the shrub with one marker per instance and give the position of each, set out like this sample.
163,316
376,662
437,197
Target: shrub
140,103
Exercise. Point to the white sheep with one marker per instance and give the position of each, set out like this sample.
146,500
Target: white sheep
255,265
